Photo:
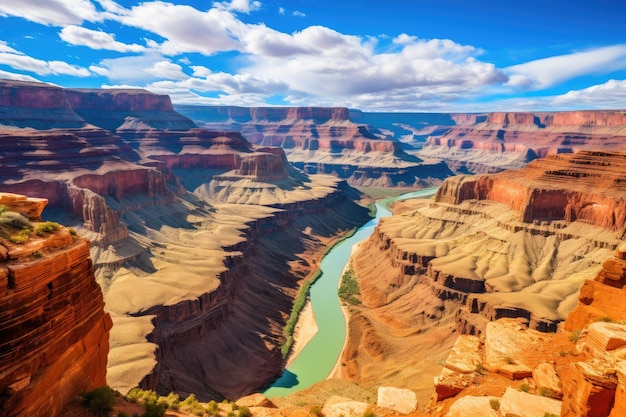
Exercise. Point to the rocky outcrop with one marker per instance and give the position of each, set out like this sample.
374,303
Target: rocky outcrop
509,140
325,140
55,331
586,186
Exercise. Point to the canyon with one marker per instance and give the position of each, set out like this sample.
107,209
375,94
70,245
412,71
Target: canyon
202,223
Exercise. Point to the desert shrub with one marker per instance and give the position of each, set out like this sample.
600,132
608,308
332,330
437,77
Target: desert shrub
154,409
298,305
349,288
100,401
213,408
72,231
480,369
3,208
575,336
562,353
17,220
547,392
369,413
37,254
524,387
548,414
192,405
315,410
21,237
494,404
244,412
122,414
172,401
46,227
137,395
509,360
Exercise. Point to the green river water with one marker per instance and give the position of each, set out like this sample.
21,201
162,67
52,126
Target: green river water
319,356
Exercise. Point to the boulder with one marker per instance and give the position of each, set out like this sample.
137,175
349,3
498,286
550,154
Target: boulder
516,403
471,406
255,400
339,406
547,381
505,341
402,400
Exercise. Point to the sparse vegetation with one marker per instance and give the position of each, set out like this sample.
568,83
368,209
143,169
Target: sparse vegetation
315,411
21,237
509,360
548,414
100,401
562,353
524,387
213,408
244,412
192,405
494,404
298,305
37,254
575,336
72,231
46,227
480,369
605,319
14,219
154,409
349,288
369,413
547,392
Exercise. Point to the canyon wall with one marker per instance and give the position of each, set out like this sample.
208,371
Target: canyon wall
55,331
517,244
189,229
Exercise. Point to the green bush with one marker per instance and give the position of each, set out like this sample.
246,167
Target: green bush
244,412
369,413
13,219
575,336
172,401
46,227
100,400
21,237
298,305
192,405
213,408
154,409
122,414
349,288
547,392
524,387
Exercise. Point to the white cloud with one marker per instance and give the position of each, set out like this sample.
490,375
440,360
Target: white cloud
547,72
20,61
230,84
95,39
99,70
244,6
130,69
403,39
51,12
20,77
201,71
185,28
298,13
281,10
167,70
610,95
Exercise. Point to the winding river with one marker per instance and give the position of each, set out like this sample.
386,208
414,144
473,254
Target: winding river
319,356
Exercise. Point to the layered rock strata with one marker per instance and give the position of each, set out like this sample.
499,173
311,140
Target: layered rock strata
54,330
325,141
516,244
200,240
511,140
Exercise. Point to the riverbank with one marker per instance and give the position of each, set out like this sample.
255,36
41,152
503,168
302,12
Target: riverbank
306,328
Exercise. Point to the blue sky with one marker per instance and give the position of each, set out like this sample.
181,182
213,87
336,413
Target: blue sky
402,55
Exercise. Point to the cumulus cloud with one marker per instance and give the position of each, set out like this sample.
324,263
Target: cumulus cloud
95,39
51,12
185,28
610,95
547,72
244,6
298,13
19,77
167,70
20,61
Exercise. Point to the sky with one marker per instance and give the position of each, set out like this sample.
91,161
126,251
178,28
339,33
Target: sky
373,55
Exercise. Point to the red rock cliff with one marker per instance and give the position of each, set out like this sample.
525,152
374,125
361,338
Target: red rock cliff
118,100
55,332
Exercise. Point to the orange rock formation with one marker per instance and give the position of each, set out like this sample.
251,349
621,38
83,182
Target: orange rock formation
55,334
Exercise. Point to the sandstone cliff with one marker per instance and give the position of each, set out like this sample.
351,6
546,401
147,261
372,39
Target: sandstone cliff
515,244
326,140
510,140
54,330
200,239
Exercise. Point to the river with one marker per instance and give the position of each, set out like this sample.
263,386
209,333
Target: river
318,358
